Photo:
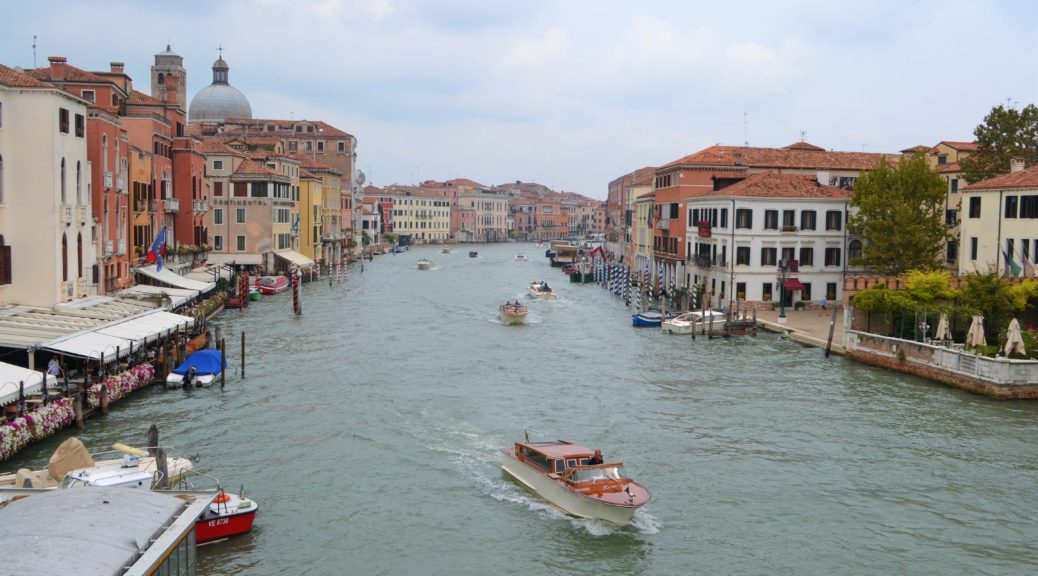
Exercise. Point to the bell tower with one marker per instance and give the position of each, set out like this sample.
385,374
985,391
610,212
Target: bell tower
169,64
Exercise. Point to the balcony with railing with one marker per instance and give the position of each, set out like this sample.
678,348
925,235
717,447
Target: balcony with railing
171,205
789,228
702,261
120,184
109,248
122,247
201,206
66,214
663,224
83,213
107,180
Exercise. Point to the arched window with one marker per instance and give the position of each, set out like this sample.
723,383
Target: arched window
854,252
64,194
162,78
64,257
79,255
104,152
79,183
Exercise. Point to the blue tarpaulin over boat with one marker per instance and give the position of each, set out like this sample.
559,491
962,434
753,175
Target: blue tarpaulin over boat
205,362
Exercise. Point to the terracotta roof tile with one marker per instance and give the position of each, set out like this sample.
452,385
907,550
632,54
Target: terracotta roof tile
949,168
216,146
916,148
15,79
752,157
141,99
1024,179
961,146
72,74
776,185
113,110
804,146
249,167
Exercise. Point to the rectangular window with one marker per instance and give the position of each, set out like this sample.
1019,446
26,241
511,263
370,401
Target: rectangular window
789,219
239,216
241,189
1011,206
744,218
63,120
293,146
766,292
217,188
342,147
950,217
807,256
320,146
788,254
807,220
954,185
830,291
768,256
217,245
1025,248
975,207
80,125
952,251
740,290
942,159
308,146
805,292
1029,206
973,248
742,255
832,256
834,220
771,219
217,164
724,218
89,95
217,219
241,243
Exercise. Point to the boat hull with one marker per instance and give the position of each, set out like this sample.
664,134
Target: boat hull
513,318
201,380
273,284
424,265
647,319
224,526
541,294
561,497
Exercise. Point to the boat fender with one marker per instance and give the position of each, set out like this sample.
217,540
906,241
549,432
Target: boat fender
245,504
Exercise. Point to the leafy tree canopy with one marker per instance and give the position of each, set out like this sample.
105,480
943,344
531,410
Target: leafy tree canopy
995,298
929,287
900,216
1006,133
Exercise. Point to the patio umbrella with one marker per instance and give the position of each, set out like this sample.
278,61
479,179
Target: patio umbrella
943,329
1014,342
975,337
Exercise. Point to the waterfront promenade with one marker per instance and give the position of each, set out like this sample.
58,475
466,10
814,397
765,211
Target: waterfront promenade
808,327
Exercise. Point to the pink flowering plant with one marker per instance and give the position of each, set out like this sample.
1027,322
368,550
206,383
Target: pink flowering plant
35,425
118,385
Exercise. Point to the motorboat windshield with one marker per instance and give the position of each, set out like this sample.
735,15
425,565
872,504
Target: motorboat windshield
609,472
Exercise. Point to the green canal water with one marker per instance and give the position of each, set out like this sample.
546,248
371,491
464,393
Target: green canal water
368,429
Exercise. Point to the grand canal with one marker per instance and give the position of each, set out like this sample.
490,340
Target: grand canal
368,430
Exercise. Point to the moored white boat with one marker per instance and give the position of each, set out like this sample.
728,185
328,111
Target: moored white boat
512,312
698,320
564,474
424,264
541,290
520,257
200,369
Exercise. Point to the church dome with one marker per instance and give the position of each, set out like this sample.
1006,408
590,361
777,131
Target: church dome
219,101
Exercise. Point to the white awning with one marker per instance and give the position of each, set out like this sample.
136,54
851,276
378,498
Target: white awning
175,280
295,258
11,375
103,342
180,296
234,258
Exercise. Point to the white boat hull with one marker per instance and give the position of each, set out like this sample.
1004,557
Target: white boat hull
202,381
424,265
684,327
562,498
542,295
512,318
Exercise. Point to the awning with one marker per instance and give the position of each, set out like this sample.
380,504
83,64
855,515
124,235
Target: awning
175,280
103,342
250,258
180,296
295,258
11,375
793,284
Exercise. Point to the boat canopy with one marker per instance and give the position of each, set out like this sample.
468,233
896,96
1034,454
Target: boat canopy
205,361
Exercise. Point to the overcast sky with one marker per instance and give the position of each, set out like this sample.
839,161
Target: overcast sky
571,93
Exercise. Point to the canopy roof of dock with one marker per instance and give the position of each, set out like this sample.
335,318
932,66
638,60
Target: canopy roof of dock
170,278
12,377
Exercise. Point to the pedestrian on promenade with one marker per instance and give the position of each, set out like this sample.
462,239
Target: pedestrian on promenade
825,305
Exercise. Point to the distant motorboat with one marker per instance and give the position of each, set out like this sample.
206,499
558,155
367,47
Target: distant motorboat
424,264
512,312
473,254
541,290
446,251
520,257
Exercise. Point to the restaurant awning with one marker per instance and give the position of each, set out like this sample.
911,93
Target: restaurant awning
793,284
250,258
169,278
180,296
103,342
11,375
294,257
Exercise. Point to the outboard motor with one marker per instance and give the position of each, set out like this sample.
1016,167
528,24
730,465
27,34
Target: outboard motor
189,378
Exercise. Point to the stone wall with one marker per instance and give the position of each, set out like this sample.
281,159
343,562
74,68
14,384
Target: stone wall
995,377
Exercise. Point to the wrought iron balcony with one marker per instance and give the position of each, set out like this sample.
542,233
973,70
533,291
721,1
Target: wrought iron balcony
702,261
663,224
201,206
66,214
120,184
171,205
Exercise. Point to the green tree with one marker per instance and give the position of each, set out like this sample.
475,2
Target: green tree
991,296
900,216
1006,133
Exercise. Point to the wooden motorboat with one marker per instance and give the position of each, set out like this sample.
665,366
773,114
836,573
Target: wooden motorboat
512,312
541,290
200,369
273,284
71,459
424,264
567,476
473,254
445,251
227,515
696,320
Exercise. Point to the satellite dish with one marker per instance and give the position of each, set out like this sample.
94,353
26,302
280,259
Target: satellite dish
360,177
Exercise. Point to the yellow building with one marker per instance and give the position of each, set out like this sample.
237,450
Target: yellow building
944,158
641,232
311,194
424,218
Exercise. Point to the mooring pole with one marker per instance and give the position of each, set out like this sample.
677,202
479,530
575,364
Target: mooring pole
223,363
242,353
832,328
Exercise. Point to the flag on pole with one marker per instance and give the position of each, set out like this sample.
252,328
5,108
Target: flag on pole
157,251
1029,268
1011,266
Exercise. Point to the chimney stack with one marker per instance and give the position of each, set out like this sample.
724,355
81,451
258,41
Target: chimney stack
57,67
1016,165
117,67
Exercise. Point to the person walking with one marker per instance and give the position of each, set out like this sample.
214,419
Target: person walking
825,305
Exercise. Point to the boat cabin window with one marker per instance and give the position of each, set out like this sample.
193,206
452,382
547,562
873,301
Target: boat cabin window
536,458
560,466
584,461
571,462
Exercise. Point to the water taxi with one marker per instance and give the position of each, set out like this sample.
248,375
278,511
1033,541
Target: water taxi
541,290
273,284
520,257
445,251
569,477
697,320
512,312
424,264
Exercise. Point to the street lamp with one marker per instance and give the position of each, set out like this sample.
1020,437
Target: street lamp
783,273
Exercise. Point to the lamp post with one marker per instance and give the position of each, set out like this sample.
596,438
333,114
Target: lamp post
783,273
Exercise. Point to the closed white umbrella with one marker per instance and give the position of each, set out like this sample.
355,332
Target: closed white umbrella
1014,341
943,329
975,337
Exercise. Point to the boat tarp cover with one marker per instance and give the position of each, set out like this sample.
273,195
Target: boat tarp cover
70,455
206,361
